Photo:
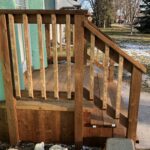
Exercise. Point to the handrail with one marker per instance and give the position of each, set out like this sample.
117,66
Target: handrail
112,45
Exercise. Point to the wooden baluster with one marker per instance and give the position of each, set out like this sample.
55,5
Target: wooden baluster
134,99
60,36
28,55
14,54
41,50
79,61
8,87
105,85
68,42
92,67
111,71
119,86
48,43
55,56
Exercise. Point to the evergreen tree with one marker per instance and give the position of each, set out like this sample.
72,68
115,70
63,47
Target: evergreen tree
143,23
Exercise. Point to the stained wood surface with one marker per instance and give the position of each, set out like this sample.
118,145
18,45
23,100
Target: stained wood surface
134,99
119,86
92,67
14,54
28,55
41,50
8,87
105,89
68,42
55,55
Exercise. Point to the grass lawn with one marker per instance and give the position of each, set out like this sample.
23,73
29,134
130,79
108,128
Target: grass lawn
122,32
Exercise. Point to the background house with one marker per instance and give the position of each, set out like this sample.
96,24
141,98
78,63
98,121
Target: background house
31,4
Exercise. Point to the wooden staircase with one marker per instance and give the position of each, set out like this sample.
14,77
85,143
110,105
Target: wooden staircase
83,99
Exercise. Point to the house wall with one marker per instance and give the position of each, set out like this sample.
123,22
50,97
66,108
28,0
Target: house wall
49,4
7,4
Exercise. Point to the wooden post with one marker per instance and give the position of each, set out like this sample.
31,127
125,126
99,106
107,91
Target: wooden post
111,71
105,88
41,51
135,88
92,67
28,55
68,50
79,63
8,87
55,56
14,54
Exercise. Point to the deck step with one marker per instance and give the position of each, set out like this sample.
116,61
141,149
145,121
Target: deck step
98,118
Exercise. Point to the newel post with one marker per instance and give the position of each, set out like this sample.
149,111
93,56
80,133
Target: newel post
79,64
135,88
8,87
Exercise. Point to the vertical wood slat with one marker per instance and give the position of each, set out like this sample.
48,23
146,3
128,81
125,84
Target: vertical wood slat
41,50
92,67
28,55
119,86
68,42
55,56
48,43
105,86
111,71
8,87
14,54
79,64
134,99
60,34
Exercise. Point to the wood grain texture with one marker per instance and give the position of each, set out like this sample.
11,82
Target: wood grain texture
134,99
105,39
28,55
68,42
8,87
48,42
41,50
111,71
79,61
105,89
92,67
119,86
14,55
55,55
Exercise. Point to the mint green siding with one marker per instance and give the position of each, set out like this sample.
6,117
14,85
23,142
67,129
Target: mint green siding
39,4
10,4
49,4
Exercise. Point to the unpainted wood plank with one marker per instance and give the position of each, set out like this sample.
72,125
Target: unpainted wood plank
68,42
79,61
55,55
41,50
14,54
134,99
92,67
28,55
119,86
8,87
105,89
111,70
48,42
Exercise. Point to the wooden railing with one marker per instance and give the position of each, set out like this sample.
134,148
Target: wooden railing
113,54
83,30
8,55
